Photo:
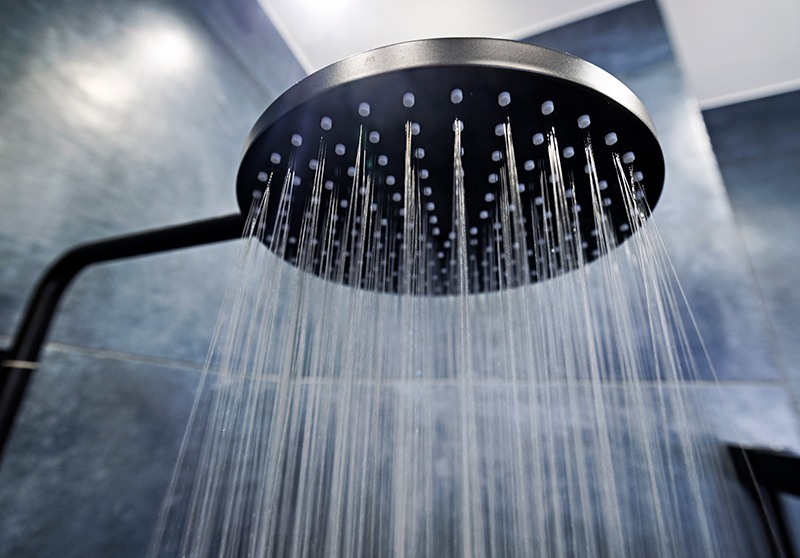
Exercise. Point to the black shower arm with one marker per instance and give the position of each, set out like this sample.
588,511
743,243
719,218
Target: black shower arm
18,363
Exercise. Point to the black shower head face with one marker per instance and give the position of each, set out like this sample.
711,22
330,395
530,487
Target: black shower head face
358,163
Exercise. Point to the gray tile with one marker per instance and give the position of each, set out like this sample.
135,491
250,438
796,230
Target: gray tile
758,147
101,134
763,128
91,455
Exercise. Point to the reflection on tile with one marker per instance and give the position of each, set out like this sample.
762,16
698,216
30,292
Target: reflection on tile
694,214
91,456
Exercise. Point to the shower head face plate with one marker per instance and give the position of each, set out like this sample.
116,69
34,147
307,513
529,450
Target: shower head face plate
317,126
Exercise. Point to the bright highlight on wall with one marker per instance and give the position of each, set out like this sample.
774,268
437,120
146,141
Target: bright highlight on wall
106,86
168,49
115,80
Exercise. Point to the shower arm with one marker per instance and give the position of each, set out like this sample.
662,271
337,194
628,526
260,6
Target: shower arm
18,363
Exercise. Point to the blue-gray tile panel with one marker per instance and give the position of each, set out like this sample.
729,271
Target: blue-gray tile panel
757,144
116,117
91,456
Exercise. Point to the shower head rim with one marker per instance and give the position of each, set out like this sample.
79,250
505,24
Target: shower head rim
453,52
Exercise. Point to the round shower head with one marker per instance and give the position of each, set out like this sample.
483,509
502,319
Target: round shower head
349,152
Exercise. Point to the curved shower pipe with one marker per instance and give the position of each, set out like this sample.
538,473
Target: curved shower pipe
18,364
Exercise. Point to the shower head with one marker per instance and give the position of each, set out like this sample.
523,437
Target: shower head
373,136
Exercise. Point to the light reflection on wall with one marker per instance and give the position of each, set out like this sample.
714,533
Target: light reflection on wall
166,49
123,79
105,86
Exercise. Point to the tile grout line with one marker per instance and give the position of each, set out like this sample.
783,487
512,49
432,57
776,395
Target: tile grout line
113,355
188,365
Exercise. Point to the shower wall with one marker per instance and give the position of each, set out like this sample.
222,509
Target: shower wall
117,116
699,227
757,145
